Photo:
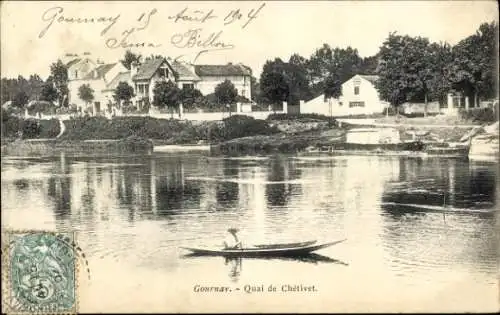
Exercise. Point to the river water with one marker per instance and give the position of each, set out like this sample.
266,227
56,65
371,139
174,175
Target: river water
421,232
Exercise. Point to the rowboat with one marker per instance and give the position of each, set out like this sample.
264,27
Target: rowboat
262,252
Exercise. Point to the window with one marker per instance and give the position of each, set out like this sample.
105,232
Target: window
76,74
243,92
188,86
340,103
356,104
163,73
356,90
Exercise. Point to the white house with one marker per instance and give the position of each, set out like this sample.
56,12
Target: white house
212,75
359,96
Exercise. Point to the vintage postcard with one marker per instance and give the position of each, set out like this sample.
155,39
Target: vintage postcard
249,156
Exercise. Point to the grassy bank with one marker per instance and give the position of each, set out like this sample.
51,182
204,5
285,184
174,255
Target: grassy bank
167,131
47,147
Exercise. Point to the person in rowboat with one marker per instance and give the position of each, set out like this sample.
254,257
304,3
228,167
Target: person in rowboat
231,241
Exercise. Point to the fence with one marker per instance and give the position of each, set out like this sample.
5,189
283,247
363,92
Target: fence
241,109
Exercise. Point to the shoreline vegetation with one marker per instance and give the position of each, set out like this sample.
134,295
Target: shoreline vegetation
235,135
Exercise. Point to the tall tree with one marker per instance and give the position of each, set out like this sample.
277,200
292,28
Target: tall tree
48,93
123,92
129,58
338,63
273,82
297,77
86,93
226,93
440,60
36,85
166,94
369,65
401,74
320,64
59,77
473,70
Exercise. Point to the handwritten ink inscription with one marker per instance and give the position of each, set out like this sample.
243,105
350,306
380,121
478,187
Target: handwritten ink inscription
198,36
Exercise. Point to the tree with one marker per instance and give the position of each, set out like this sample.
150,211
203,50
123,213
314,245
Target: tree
273,83
48,93
338,64
166,94
123,92
86,93
369,65
20,99
189,97
439,84
129,58
59,77
226,93
474,62
296,75
400,73
35,85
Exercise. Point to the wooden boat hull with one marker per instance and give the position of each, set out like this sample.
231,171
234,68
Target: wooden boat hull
261,252
285,245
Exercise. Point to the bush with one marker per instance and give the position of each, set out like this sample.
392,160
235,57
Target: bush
11,124
13,127
238,126
30,128
484,115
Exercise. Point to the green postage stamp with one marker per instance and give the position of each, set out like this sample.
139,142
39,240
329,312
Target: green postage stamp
39,273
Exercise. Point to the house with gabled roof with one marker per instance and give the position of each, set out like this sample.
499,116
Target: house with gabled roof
212,75
359,97
97,77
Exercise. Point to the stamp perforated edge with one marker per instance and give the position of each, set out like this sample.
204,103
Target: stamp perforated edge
5,266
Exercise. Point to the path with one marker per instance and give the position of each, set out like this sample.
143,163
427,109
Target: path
371,122
62,128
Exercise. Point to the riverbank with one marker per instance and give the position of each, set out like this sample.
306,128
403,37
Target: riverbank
48,147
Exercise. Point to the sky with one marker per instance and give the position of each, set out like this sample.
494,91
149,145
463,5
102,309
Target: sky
35,34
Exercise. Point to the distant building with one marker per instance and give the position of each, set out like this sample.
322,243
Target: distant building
96,74
359,96
212,75
104,78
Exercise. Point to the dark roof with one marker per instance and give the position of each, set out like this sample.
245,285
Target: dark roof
183,72
371,78
72,62
120,77
223,70
148,69
101,71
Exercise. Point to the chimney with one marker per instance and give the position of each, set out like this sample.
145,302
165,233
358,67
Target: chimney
134,67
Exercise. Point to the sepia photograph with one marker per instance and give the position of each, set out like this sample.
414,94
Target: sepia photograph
249,156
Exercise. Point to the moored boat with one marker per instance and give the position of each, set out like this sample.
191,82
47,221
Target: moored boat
262,252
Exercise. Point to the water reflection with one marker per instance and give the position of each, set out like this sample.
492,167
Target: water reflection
279,191
440,182
139,210
235,264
